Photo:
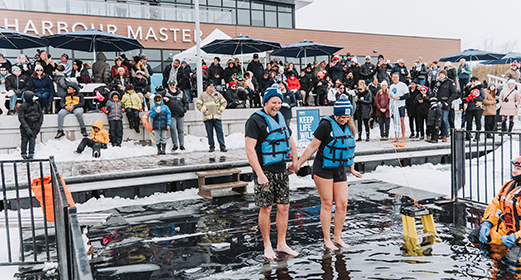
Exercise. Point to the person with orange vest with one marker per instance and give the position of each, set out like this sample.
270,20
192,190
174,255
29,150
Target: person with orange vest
502,219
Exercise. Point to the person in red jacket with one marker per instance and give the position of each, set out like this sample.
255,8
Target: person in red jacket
294,86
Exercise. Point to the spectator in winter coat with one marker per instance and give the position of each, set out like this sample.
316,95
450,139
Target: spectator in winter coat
490,108
232,97
412,110
356,70
215,73
118,62
5,63
61,84
101,70
256,67
184,85
174,72
419,72
178,104
382,69
363,112
294,85
374,88
72,103
289,102
306,85
281,77
445,91
64,60
161,121
42,86
27,68
132,105
381,101
98,140
320,89
114,110
367,70
139,65
120,81
473,105
230,69
463,73
141,86
211,103
434,120
30,116
334,69
265,82
432,76
422,109
451,70
401,69
509,101
15,85
513,72
80,72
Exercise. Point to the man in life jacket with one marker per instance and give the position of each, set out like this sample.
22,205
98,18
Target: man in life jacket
502,219
268,144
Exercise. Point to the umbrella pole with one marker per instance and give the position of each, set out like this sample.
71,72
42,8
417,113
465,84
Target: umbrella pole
94,58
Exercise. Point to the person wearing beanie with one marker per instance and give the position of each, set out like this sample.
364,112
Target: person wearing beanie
490,108
72,103
132,105
30,116
329,166
15,85
268,161
513,72
161,121
232,97
42,86
445,91
434,120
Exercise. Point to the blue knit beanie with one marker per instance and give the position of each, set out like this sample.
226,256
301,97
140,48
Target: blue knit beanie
343,106
273,91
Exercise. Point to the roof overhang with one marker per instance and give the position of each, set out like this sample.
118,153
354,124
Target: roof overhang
298,3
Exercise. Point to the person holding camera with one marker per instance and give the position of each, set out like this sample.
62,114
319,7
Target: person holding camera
509,100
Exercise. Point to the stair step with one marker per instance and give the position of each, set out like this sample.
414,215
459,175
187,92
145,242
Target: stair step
224,186
218,172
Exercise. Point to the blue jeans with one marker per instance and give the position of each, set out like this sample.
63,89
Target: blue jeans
445,123
420,82
210,125
188,94
43,98
12,101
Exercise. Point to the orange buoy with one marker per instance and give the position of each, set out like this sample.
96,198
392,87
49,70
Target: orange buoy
36,187
144,120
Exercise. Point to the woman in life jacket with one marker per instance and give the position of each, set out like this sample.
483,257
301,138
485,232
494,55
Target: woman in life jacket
334,141
501,222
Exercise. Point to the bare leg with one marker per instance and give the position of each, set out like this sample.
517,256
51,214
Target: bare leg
403,130
340,193
282,228
264,225
395,136
325,191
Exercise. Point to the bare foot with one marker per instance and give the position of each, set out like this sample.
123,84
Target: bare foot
402,140
394,140
341,243
269,253
287,250
330,245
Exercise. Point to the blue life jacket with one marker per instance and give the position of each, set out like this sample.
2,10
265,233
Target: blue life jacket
275,147
340,151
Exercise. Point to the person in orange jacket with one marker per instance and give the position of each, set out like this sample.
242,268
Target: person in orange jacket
98,140
502,219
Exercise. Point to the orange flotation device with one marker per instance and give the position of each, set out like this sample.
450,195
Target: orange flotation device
36,187
144,120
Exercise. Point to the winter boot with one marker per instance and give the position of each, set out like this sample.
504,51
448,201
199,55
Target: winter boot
136,127
511,125
159,149
367,137
174,148
131,123
359,136
163,149
84,132
504,126
24,156
59,135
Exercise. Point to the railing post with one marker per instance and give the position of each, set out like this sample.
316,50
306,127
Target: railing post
457,161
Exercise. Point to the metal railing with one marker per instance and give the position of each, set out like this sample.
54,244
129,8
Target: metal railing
481,163
67,246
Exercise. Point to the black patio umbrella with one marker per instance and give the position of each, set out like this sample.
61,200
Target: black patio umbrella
305,49
11,39
472,55
507,59
93,40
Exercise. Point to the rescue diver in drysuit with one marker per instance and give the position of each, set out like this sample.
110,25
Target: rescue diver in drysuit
502,219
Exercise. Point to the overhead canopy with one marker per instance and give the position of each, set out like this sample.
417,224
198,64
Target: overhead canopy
472,55
11,39
305,49
189,55
240,45
507,59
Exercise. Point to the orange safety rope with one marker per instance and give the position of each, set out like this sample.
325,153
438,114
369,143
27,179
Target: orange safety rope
402,145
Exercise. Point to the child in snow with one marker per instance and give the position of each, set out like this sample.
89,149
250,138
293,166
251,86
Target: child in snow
434,120
30,116
161,121
114,111
98,140
132,105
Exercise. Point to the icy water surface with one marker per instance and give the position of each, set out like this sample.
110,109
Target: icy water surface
219,239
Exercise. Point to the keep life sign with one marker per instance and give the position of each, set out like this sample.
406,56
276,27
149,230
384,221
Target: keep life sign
307,122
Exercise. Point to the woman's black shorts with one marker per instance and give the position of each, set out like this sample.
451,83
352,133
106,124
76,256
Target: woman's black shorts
337,174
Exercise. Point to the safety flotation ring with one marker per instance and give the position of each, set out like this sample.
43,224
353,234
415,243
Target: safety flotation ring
36,187
144,120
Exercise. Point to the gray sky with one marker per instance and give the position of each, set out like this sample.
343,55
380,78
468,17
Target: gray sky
483,24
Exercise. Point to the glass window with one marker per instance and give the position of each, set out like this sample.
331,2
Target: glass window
285,8
184,1
12,55
214,3
257,5
285,20
245,4
257,18
152,54
243,17
156,66
270,6
57,53
229,3
271,19
57,6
